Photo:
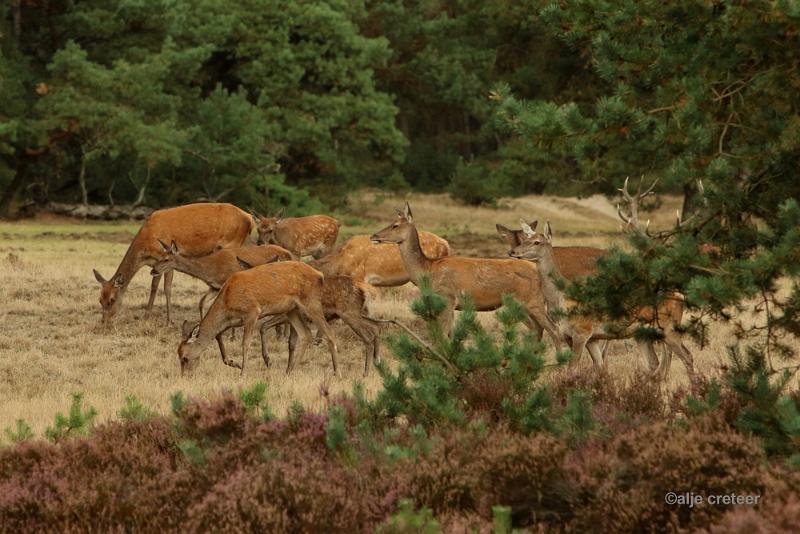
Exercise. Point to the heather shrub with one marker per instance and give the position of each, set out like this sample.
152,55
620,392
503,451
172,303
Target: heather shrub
409,521
623,483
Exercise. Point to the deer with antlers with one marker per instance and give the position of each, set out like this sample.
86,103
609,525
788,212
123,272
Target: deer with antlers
377,264
288,288
585,331
314,235
484,280
200,228
217,267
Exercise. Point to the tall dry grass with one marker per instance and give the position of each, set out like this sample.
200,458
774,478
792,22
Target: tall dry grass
52,345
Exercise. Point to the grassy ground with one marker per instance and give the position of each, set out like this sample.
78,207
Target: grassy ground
52,344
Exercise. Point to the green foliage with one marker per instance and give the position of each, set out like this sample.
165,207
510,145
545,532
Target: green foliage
336,433
192,451
177,402
467,375
77,421
134,410
254,401
407,520
576,421
22,431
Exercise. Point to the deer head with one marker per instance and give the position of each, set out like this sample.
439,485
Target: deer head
189,350
172,255
534,246
110,294
398,231
265,226
512,237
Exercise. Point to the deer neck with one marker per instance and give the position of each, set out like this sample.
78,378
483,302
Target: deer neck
549,272
414,259
201,267
130,265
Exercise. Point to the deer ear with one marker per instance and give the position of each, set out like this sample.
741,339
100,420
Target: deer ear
243,264
164,246
98,276
119,280
279,215
526,229
173,247
502,230
407,213
548,232
256,216
186,329
533,224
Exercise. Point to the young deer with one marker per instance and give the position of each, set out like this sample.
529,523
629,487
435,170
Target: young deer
584,331
484,280
288,288
377,264
302,236
200,228
217,267
345,299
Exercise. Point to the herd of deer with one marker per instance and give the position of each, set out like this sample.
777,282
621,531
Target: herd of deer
267,285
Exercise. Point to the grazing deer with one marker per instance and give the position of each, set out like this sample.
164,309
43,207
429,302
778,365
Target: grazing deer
484,280
377,264
345,299
314,235
584,331
217,267
288,288
199,228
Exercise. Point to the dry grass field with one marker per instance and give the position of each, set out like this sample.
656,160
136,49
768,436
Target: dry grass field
52,344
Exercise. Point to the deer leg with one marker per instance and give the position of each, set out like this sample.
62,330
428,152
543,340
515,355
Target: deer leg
538,314
317,316
593,346
168,291
224,354
207,294
646,347
448,317
299,338
578,344
365,334
674,342
666,361
264,350
153,290
247,334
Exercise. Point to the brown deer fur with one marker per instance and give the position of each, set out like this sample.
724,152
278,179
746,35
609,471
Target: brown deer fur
302,236
584,331
217,267
377,264
291,288
199,229
484,280
347,300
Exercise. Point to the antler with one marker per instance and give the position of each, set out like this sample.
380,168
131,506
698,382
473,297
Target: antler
632,220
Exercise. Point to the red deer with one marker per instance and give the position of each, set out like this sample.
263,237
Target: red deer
345,299
377,264
314,235
484,280
217,267
199,228
584,331
288,288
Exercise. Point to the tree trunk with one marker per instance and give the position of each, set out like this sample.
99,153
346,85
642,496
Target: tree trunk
689,196
16,15
14,187
98,211
82,180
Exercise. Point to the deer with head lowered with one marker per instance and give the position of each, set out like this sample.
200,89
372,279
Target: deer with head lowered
377,264
200,228
342,298
484,280
217,267
314,235
288,288
585,331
